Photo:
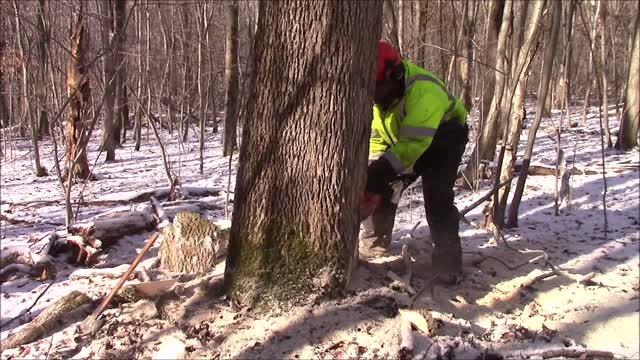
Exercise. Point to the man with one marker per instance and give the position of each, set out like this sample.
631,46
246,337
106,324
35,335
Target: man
418,129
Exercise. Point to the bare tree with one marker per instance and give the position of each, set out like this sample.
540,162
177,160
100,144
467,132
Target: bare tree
466,64
628,137
520,75
4,108
488,133
109,76
121,106
231,79
43,42
302,169
79,91
27,110
543,89
603,71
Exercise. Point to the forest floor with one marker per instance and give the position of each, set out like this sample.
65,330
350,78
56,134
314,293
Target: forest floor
488,312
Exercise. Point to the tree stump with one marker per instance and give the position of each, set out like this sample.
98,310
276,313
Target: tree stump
192,244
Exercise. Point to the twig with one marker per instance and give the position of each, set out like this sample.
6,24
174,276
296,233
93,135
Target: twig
50,346
393,276
485,257
427,284
152,122
30,307
485,197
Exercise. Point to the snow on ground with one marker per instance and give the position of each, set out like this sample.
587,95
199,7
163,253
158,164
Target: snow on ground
603,315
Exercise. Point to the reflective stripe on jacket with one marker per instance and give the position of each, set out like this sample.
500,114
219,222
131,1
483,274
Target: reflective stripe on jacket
406,129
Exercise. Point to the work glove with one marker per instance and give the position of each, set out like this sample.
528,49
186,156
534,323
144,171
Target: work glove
379,174
369,204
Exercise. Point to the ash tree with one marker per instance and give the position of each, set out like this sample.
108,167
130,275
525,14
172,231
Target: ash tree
303,153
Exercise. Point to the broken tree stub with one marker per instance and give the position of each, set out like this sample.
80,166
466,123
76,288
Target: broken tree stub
192,243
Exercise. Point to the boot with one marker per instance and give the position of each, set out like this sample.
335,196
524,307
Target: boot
447,253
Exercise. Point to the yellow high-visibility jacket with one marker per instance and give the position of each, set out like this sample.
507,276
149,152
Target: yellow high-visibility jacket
405,130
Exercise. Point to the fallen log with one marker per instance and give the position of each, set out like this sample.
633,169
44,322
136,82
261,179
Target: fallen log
541,170
87,239
109,230
572,352
46,321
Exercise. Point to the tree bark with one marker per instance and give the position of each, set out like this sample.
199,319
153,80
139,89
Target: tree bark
512,217
628,137
47,320
422,17
303,155
231,79
79,89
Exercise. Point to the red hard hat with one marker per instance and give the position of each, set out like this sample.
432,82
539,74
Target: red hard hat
388,57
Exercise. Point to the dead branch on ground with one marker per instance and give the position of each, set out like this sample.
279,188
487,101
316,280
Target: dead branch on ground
47,320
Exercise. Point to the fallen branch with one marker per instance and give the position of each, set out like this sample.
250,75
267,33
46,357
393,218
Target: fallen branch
573,352
28,310
46,321
485,257
91,324
400,283
485,197
406,339
555,271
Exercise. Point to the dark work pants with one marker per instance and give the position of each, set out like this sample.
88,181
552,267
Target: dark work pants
438,167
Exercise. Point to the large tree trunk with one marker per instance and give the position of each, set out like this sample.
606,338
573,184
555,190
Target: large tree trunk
486,143
512,218
303,154
628,137
231,79
80,92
